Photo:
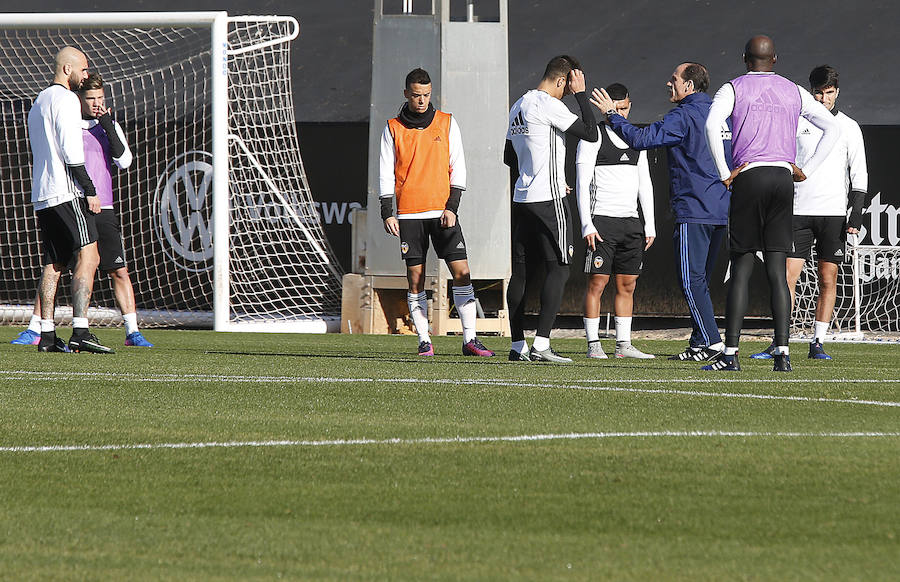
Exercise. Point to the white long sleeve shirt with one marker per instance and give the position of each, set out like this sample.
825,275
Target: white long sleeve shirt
825,192
54,132
612,190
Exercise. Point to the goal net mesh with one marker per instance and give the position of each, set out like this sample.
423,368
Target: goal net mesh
877,269
158,87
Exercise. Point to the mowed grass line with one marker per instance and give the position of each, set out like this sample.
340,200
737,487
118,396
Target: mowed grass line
632,508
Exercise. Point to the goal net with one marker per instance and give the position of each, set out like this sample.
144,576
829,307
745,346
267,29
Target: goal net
868,294
216,212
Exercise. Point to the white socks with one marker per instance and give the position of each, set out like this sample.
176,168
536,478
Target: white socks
79,323
520,346
540,343
130,320
820,328
47,325
35,323
592,328
623,330
464,299
730,351
418,310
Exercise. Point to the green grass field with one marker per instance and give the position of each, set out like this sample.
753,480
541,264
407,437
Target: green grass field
242,457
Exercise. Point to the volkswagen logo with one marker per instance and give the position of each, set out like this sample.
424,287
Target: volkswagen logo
182,211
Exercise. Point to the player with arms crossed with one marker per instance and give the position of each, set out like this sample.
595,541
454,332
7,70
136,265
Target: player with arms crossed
65,211
612,179
105,146
765,109
541,226
821,203
423,165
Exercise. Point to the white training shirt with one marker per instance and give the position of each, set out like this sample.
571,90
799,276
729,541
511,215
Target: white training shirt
54,131
613,190
722,107
387,160
537,127
825,192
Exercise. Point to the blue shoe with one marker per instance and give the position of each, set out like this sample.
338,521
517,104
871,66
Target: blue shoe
27,338
766,354
817,352
724,364
137,339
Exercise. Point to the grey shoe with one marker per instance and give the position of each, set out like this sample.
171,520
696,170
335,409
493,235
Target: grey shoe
547,355
595,350
629,351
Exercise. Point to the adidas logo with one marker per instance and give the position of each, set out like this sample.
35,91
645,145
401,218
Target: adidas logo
839,253
768,102
461,245
119,260
518,125
437,138
624,158
805,131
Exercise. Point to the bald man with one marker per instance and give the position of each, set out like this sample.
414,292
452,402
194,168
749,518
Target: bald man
765,109
65,201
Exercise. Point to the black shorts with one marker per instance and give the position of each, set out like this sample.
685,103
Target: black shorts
109,240
542,230
829,234
622,249
449,243
65,228
762,209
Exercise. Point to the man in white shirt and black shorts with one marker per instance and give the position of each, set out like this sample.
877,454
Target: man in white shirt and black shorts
65,201
821,203
541,225
612,180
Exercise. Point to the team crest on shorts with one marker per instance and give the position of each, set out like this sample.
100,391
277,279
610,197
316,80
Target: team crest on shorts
404,248
571,250
598,262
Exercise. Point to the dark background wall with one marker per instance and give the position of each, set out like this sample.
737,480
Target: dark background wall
638,43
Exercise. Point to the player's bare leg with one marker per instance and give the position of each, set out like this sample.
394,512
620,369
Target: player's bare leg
124,292
47,295
824,308
592,295
418,307
624,305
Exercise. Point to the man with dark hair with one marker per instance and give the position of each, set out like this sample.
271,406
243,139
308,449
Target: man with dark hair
65,211
699,200
423,165
612,179
105,147
821,204
765,109
541,226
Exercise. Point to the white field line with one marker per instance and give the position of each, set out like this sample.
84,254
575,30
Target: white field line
444,440
164,378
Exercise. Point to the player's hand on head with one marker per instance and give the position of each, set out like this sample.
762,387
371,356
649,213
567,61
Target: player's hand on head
576,81
448,219
392,226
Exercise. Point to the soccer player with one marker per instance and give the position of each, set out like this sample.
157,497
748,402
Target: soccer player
821,203
65,201
764,109
423,165
541,225
612,179
105,146
699,199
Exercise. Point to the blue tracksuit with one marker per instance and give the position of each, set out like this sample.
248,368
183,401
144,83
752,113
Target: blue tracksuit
699,201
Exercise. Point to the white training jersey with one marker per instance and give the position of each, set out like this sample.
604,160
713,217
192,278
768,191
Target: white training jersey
54,131
825,192
537,127
612,189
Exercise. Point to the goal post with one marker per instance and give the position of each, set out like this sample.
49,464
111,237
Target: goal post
868,294
217,215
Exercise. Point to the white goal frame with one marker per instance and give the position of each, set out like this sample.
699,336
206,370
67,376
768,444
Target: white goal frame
221,141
